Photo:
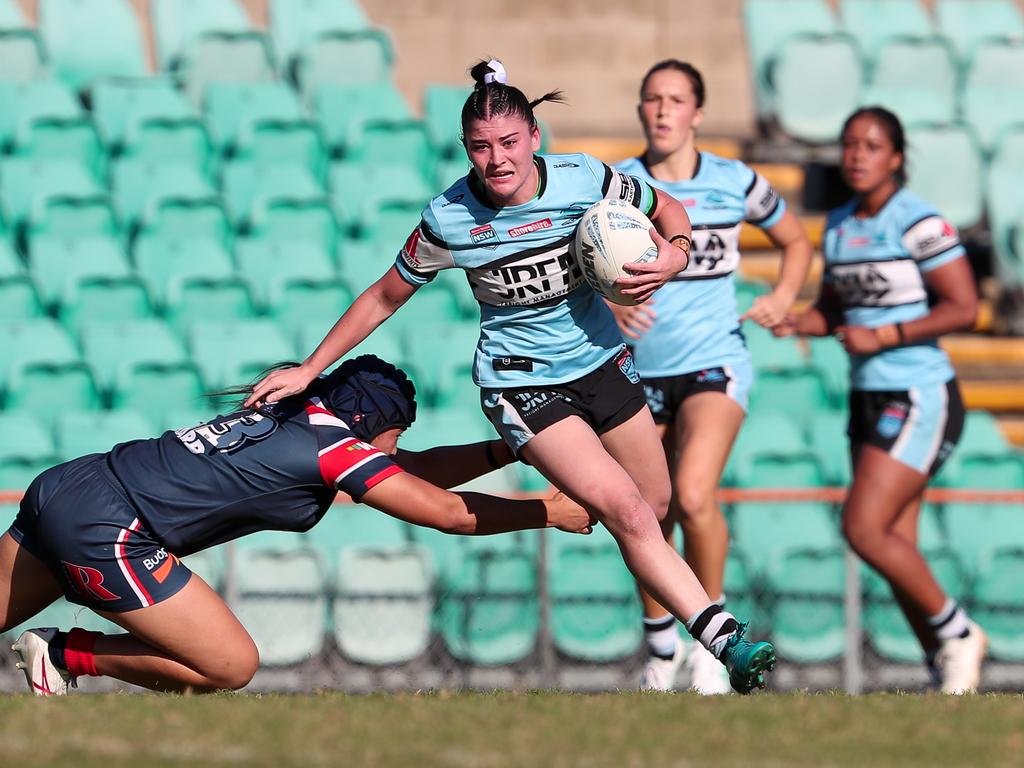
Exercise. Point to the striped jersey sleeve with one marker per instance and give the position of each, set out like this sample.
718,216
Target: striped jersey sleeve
346,462
932,241
424,253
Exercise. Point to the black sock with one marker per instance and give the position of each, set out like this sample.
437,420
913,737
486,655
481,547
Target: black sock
56,650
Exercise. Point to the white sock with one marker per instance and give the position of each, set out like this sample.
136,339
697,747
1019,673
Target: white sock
661,635
950,622
712,628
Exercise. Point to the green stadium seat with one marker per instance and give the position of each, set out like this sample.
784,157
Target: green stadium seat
817,85
873,23
884,624
19,299
442,111
272,265
53,139
230,353
216,299
357,189
25,182
362,263
489,612
22,459
226,57
357,526
769,24
195,218
768,352
742,592
281,602
393,141
178,25
295,301
169,140
10,264
32,100
36,388
104,297
159,389
116,350
956,187
22,55
1004,204
383,604
296,220
384,342
296,142
833,363
807,611
82,432
970,23
766,531
975,530
247,182
993,91
73,216
771,452
118,106
92,40
297,23
915,78
827,438
167,262
342,109
792,391
37,340
360,56
447,172
595,608
997,605
230,109
389,223
58,263
746,290
139,184
440,346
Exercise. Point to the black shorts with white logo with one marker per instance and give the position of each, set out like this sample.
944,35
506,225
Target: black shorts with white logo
606,397
918,427
666,393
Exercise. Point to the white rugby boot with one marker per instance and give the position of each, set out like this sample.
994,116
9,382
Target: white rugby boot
959,661
708,676
44,677
660,674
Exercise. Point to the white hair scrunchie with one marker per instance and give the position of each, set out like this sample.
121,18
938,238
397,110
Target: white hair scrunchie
497,73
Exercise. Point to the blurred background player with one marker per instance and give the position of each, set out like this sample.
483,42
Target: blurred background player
688,345
886,252
557,382
106,530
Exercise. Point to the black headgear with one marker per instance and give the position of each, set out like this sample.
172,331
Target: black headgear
370,395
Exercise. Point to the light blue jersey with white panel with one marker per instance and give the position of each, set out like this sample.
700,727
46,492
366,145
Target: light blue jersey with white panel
696,325
540,321
877,266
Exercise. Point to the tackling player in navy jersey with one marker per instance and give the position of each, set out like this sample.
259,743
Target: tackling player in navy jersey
885,251
107,530
557,382
688,344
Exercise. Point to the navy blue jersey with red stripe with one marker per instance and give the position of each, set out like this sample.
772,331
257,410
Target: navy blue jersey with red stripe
276,469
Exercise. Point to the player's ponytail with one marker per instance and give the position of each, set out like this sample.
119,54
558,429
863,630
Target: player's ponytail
492,96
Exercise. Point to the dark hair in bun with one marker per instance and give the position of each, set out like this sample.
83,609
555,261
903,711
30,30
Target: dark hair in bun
492,96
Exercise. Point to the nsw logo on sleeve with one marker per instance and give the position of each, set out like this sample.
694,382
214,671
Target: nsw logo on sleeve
482,234
891,421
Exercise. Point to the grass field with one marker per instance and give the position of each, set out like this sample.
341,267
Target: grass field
509,729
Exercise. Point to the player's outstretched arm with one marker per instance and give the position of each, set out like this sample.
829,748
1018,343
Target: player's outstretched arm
373,306
450,465
416,501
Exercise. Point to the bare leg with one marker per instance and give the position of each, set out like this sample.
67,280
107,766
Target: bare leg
882,489
27,586
906,527
190,641
572,457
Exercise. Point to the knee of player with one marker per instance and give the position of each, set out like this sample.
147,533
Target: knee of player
630,516
860,535
237,671
696,502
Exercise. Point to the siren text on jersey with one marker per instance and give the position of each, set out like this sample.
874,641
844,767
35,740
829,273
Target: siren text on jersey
610,235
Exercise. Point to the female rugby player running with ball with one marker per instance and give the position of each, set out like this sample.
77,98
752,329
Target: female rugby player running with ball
687,342
885,252
106,530
557,382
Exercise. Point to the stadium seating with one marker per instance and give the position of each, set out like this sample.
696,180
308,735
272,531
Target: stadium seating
766,532
231,353
24,457
873,23
118,106
297,23
178,24
1004,201
357,56
807,587
116,349
19,299
993,91
22,54
969,23
84,432
595,610
342,109
57,263
997,604
232,109
442,111
945,167
915,78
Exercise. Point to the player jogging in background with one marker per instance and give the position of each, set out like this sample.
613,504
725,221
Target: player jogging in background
107,530
688,344
557,382
885,252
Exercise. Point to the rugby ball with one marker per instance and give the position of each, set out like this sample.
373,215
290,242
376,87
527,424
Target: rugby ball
611,234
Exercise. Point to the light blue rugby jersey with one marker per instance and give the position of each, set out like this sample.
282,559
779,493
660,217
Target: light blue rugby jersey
540,322
696,325
877,267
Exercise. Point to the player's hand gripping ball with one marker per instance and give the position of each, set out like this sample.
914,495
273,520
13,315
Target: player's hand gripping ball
610,235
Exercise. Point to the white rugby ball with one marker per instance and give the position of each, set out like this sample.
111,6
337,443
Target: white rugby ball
612,233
